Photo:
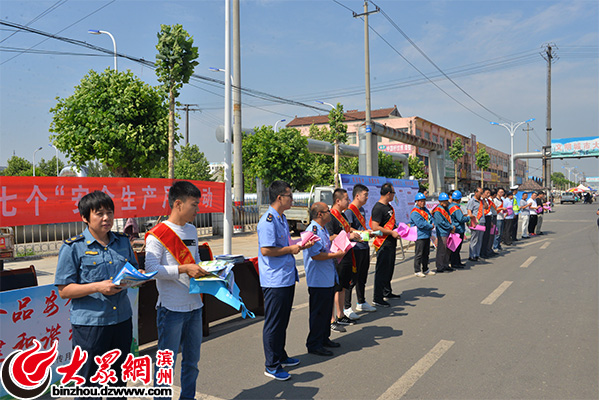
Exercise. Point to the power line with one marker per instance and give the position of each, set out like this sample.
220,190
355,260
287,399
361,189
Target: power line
39,16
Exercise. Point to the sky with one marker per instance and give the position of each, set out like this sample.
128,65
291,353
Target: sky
302,50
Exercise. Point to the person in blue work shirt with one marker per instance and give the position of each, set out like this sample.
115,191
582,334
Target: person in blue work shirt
278,277
423,220
458,220
100,310
443,228
321,276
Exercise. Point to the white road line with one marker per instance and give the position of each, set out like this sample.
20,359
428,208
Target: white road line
531,259
410,377
496,293
534,242
545,245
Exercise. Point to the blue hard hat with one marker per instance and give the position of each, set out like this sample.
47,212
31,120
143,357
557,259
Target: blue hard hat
443,196
456,195
419,196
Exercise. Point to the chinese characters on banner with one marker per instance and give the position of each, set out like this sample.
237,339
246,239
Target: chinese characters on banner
575,147
26,200
38,313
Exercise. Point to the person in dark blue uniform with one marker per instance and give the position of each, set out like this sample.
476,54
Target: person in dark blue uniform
458,220
278,277
100,310
443,228
321,276
423,220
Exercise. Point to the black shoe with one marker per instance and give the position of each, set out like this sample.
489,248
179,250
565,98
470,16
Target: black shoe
458,266
345,321
474,259
441,271
393,296
541,233
321,352
381,303
331,343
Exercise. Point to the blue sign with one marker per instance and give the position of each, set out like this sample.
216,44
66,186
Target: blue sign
368,128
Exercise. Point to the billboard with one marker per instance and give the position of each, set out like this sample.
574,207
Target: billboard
575,147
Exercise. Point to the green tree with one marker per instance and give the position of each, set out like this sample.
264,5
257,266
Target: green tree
456,152
191,163
560,181
175,64
388,167
114,118
18,166
416,168
48,168
482,161
321,165
97,169
273,155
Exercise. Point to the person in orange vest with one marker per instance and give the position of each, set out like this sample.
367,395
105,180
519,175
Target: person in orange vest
383,219
475,211
443,228
172,251
458,220
423,220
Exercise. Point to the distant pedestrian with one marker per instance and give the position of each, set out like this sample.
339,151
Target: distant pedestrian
501,210
540,200
475,211
532,213
516,211
486,245
509,220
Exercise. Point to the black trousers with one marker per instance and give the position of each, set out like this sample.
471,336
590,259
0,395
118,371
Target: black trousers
384,270
359,280
515,227
320,304
97,340
485,244
278,307
533,219
455,255
422,249
508,230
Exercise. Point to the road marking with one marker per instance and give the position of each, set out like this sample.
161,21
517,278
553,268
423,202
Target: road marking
534,242
496,293
531,259
410,377
545,245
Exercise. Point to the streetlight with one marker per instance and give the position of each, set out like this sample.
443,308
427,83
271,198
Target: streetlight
97,32
512,127
56,150
214,69
228,212
336,150
275,126
34,159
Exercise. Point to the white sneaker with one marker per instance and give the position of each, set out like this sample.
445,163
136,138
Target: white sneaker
420,274
430,272
348,312
365,307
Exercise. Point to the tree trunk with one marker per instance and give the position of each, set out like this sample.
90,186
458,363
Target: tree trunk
482,178
171,159
455,176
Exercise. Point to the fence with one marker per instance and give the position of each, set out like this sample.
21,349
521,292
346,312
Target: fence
46,239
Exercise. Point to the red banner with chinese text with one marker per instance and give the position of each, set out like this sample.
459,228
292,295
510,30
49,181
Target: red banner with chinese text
26,200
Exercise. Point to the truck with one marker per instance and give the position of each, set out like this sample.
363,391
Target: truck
298,216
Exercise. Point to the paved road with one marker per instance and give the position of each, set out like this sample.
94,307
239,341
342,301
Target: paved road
522,326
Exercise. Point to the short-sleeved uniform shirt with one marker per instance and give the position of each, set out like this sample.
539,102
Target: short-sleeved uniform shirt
355,223
319,273
523,203
473,205
82,260
334,228
382,214
273,231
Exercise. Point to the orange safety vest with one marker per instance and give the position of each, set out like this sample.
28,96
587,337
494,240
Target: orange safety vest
443,211
421,212
454,208
358,216
389,225
172,243
337,215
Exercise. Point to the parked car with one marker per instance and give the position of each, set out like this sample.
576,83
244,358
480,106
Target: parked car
567,197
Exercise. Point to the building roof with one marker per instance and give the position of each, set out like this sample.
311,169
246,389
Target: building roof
351,115
530,185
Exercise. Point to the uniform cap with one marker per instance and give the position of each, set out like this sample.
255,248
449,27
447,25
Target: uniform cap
419,196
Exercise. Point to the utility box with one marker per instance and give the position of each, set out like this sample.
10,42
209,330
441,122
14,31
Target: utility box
7,242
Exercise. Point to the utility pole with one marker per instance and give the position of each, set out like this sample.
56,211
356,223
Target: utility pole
549,54
187,109
371,148
527,130
238,174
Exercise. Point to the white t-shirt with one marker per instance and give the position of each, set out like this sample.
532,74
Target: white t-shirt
498,203
173,287
509,210
532,206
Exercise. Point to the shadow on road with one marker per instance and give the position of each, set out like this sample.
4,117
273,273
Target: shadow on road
284,390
